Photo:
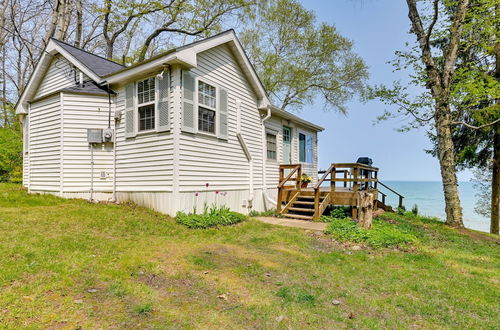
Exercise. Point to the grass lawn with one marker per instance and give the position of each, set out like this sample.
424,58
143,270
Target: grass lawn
68,263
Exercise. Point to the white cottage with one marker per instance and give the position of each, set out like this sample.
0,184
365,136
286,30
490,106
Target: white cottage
160,131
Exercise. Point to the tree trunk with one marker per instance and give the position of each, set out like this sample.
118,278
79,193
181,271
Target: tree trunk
495,178
79,23
446,158
495,182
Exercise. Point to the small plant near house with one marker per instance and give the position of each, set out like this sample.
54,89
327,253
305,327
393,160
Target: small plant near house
211,217
382,234
305,179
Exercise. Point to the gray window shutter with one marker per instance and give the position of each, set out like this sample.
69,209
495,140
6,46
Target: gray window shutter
163,108
223,129
188,110
129,111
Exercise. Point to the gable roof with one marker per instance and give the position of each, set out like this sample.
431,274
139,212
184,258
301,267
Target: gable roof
105,72
97,64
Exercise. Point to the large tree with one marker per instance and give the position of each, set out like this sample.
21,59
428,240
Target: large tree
299,59
453,61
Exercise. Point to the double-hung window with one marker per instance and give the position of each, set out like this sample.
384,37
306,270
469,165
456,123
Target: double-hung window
146,104
207,107
271,146
305,148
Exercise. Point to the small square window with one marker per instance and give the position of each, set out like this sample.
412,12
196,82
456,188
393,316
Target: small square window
206,120
271,146
146,117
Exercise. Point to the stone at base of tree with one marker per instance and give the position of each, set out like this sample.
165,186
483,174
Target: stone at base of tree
365,216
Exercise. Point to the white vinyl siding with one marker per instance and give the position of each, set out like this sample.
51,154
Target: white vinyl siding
45,144
222,163
144,163
81,112
59,75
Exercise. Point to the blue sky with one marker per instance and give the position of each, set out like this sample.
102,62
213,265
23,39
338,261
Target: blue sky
378,28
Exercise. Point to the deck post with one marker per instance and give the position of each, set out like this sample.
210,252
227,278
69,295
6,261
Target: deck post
345,177
333,177
280,200
316,204
299,177
355,184
354,213
400,201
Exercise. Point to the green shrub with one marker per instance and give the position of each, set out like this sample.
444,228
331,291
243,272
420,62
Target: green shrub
215,216
11,159
414,209
401,210
339,212
381,234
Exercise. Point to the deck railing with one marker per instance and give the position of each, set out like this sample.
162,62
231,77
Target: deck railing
354,175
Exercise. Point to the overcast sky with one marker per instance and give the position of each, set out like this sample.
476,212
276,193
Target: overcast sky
377,28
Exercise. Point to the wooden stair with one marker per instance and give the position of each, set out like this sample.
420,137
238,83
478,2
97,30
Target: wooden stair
302,207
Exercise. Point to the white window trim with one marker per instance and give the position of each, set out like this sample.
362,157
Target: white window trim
312,146
278,139
198,105
137,105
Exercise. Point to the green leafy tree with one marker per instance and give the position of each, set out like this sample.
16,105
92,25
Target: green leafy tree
10,155
299,59
458,102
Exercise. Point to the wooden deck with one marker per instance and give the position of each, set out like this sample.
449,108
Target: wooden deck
346,182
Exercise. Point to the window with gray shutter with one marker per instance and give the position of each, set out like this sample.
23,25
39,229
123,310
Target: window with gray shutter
223,115
129,111
188,114
163,108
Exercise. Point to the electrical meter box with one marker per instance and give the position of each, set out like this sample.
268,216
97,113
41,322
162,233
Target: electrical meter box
94,135
107,135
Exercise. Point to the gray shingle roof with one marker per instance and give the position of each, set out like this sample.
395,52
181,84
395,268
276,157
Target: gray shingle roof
99,65
88,87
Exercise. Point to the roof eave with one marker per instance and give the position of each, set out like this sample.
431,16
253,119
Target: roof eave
287,115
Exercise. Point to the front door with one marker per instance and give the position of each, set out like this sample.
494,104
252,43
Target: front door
287,145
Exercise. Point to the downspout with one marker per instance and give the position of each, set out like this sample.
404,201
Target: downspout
117,118
267,199
247,154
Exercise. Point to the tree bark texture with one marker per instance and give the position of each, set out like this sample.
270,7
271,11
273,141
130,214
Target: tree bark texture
439,84
446,157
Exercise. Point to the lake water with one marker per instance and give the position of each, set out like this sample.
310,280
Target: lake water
430,200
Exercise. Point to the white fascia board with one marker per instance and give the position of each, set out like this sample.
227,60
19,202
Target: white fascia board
126,75
76,63
30,89
275,111
51,50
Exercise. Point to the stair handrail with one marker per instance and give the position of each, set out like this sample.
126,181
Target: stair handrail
293,168
323,178
288,177
401,197
317,191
